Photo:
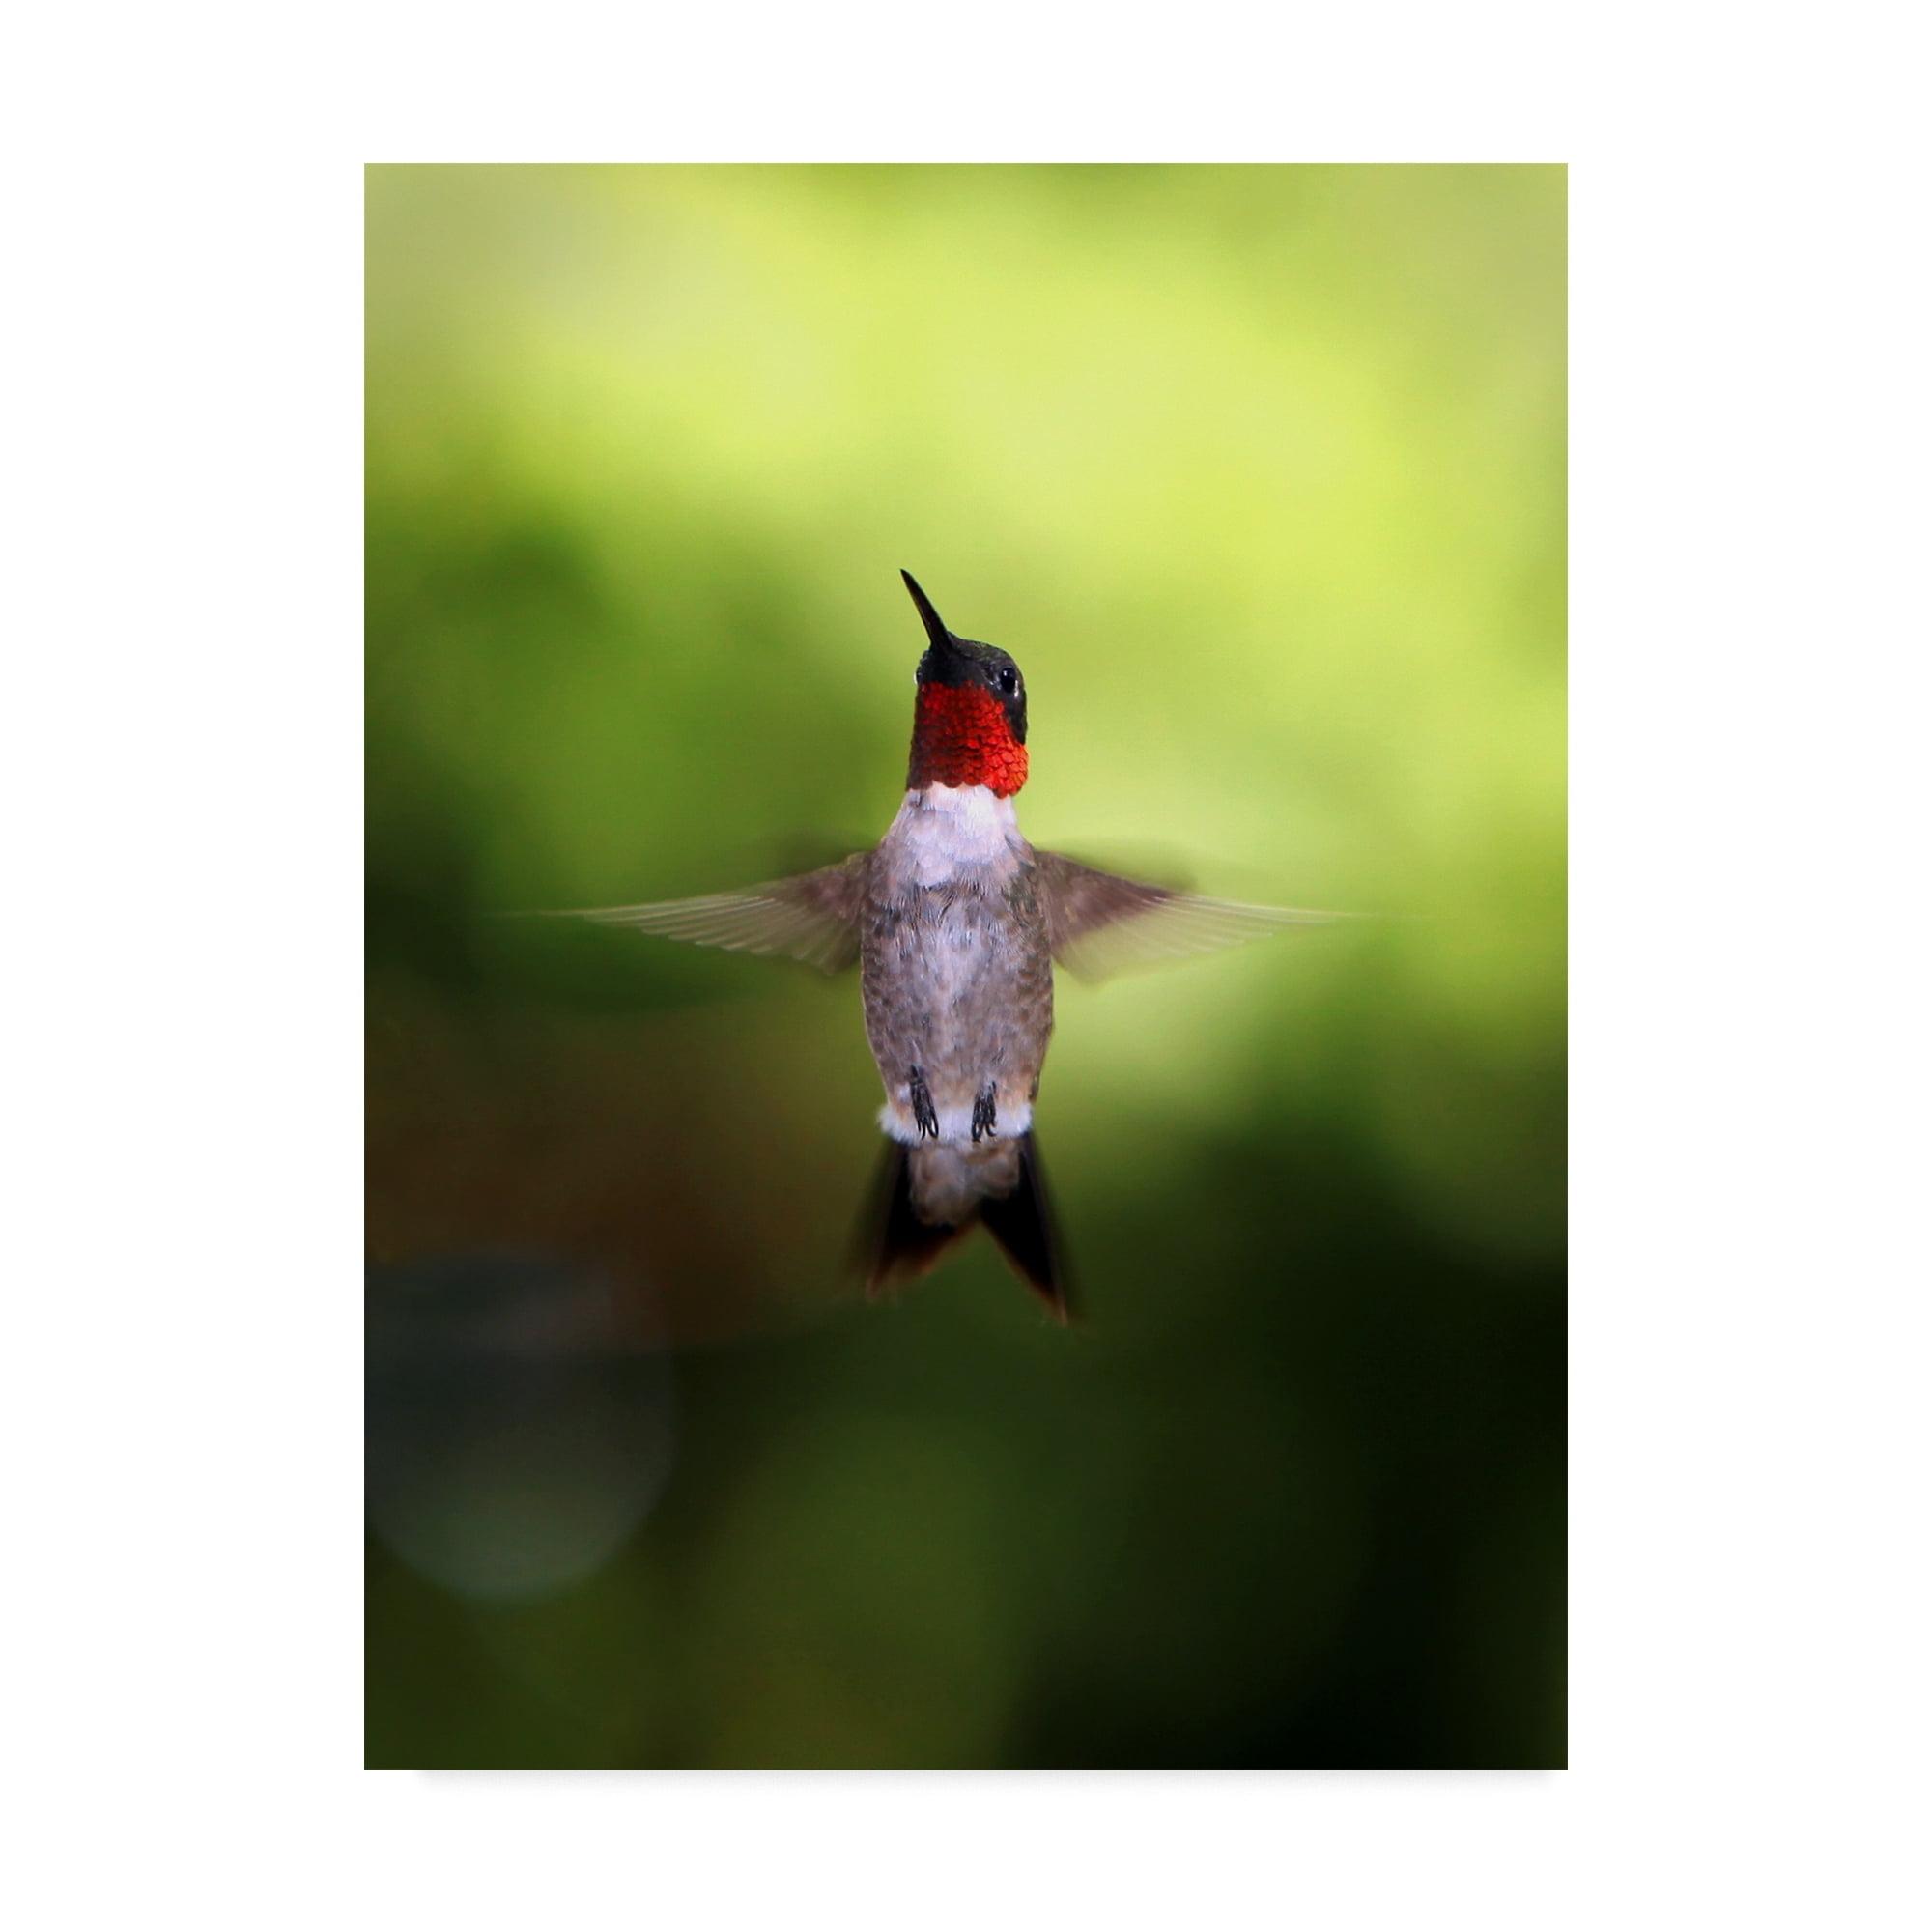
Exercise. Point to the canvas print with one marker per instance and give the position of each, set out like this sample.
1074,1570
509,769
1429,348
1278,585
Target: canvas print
966,967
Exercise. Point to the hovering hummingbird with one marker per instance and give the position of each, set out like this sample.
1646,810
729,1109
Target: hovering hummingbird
956,923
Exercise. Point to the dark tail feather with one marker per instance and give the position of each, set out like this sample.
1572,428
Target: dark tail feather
895,1244
1022,1223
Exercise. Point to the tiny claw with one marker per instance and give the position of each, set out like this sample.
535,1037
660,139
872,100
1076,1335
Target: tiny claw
986,1112
924,1116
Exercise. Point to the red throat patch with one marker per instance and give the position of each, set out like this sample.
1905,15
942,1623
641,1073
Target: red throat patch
960,737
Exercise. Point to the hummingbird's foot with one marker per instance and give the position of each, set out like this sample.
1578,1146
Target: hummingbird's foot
924,1117
985,1112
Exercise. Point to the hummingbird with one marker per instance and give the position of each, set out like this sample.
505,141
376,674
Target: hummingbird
956,924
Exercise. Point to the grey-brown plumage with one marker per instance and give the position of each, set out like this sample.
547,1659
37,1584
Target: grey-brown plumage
956,964
956,924
956,975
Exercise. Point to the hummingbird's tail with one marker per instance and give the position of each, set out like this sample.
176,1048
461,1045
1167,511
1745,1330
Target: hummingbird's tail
926,1197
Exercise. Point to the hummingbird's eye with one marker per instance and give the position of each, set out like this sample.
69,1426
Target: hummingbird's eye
1009,680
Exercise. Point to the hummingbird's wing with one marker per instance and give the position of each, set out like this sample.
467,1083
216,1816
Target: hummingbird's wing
1100,923
813,916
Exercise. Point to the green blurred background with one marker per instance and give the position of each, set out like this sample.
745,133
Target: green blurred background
1259,473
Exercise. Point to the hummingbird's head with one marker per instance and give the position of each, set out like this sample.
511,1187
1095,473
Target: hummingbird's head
969,721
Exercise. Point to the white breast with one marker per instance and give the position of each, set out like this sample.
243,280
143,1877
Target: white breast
946,830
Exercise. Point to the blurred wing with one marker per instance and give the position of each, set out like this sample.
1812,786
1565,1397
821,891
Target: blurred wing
813,916
1100,923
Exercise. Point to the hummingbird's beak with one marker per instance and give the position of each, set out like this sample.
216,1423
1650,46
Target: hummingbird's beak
935,628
